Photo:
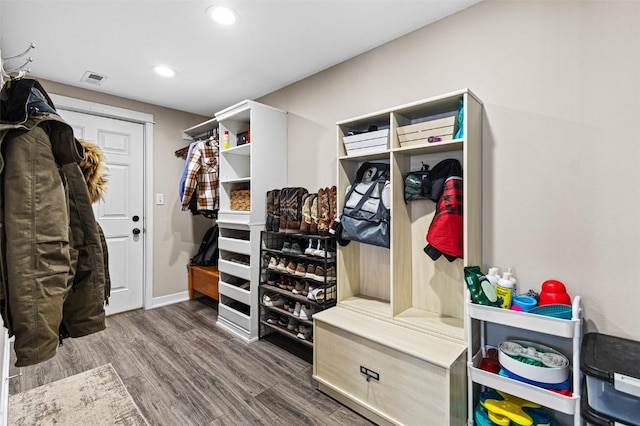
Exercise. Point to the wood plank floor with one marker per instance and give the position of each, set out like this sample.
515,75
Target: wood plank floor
181,369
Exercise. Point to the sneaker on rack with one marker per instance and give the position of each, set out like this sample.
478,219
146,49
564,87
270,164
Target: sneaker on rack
283,282
310,295
299,286
271,280
305,290
290,284
319,251
309,250
282,264
311,272
305,332
296,310
295,249
272,299
291,267
319,274
316,294
273,263
293,325
301,270
286,247
306,312
273,318
283,321
331,274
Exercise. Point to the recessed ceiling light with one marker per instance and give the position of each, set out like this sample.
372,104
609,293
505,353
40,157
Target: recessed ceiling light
164,71
222,15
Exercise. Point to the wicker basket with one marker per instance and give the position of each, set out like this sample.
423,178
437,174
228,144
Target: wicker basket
241,199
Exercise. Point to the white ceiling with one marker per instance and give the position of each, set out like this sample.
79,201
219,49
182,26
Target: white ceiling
275,43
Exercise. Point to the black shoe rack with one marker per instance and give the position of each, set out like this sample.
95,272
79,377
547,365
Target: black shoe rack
278,246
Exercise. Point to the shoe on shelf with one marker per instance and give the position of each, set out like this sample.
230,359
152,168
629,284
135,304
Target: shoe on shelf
271,280
293,325
311,272
305,290
283,321
299,286
290,284
316,294
282,283
290,306
305,221
273,263
296,310
319,274
315,215
301,270
305,332
273,318
282,264
291,267
331,274
272,299
295,249
309,250
306,312
286,247
319,252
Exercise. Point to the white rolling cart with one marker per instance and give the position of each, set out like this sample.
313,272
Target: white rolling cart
566,409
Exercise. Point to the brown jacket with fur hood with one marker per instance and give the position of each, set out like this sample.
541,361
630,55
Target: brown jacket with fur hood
52,261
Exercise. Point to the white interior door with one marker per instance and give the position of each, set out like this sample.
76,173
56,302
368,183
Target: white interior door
121,212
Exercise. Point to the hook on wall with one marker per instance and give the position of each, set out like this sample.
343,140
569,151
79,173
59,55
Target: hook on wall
20,55
19,71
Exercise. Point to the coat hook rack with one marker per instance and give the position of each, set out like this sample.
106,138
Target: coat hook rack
19,71
20,55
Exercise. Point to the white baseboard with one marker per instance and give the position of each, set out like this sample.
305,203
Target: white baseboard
169,299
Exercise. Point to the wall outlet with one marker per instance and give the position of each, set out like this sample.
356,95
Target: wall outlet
159,199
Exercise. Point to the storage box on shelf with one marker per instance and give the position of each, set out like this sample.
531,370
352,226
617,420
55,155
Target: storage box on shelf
533,327
438,129
247,171
401,286
313,286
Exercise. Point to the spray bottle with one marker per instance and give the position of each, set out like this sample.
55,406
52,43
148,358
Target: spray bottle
225,140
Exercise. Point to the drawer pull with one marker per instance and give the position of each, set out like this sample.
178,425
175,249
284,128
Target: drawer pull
369,373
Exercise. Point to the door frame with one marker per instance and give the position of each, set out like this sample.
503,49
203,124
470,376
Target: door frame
102,110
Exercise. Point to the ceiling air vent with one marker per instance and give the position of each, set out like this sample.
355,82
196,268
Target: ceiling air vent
93,78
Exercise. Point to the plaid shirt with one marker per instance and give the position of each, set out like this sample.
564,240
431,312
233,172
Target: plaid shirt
202,172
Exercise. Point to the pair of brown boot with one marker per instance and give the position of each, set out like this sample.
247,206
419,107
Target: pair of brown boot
318,212
291,209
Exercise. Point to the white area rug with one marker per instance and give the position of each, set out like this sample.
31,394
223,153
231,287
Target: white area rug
96,397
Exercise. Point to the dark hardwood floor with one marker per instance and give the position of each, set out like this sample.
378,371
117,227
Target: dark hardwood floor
182,369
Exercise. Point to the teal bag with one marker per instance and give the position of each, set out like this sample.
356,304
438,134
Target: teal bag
415,187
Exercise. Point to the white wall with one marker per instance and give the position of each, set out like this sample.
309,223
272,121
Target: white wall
560,84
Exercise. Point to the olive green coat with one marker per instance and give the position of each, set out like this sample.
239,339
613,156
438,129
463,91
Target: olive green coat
52,260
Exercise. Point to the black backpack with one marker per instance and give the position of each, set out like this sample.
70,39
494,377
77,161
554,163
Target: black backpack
208,251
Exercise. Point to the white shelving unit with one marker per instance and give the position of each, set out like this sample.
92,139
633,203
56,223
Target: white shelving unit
534,327
260,165
400,315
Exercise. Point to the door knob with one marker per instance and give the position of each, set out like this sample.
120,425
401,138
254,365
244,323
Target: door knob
136,231
136,218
